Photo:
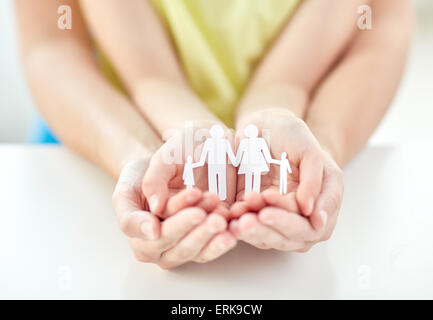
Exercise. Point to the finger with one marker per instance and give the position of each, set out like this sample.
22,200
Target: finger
156,180
191,245
238,209
209,202
176,227
329,201
254,201
140,224
310,184
182,200
128,206
143,250
251,231
291,225
219,245
286,202
305,248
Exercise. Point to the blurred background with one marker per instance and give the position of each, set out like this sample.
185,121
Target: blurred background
409,119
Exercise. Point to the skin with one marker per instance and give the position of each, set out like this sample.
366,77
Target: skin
317,96
96,114
350,75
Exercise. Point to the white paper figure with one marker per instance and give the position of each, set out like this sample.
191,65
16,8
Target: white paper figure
188,173
216,149
284,168
253,155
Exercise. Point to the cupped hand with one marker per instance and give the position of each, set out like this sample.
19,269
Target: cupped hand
308,212
192,232
163,179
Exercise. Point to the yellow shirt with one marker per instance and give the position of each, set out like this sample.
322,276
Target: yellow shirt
219,42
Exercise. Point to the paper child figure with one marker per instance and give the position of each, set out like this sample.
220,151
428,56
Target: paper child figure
188,173
284,168
216,149
253,155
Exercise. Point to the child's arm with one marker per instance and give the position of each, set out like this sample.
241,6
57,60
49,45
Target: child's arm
134,39
80,105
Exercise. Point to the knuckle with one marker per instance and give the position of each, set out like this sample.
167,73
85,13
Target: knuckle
286,246
327,236
125,225
165,265
334,201
304,249
185,253
262,245
141,257
200,260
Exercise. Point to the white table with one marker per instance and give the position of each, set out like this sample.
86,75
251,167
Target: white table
59,237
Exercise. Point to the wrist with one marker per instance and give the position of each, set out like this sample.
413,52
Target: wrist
329,141
264,118
280,95
126,152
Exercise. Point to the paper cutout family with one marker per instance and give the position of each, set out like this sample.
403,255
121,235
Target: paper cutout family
253,157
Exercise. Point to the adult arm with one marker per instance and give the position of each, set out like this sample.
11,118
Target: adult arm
80,105
306,49
353,98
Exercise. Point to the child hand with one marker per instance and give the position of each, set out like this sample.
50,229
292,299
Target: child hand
190,235
307,213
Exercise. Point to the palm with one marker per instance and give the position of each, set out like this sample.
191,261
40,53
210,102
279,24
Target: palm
300,139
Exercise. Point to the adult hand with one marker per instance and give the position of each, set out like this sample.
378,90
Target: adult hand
163,179
308,212
189,234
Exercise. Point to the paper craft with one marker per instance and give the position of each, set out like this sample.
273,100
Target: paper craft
188,174
216,149
284,168
253,157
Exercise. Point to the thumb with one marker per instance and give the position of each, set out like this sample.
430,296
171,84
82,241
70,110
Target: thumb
155,183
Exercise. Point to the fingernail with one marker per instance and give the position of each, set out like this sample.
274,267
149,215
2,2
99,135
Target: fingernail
147,230
324,215
153,202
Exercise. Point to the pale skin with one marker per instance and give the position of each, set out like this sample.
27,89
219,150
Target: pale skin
95,120
316,93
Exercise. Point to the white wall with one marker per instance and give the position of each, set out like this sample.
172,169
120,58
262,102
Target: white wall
409,119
